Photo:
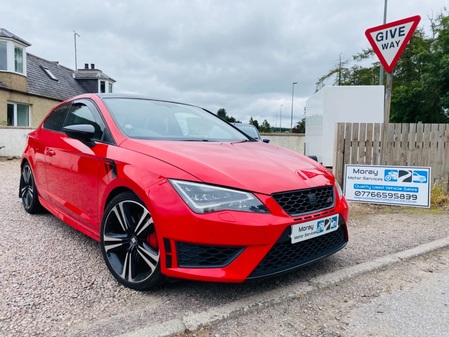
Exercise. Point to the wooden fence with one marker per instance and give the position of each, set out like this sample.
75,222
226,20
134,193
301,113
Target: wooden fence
406,145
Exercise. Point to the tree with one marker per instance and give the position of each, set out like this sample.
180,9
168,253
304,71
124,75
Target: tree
265,127
420,78
224,115
254,122
441,66
355,75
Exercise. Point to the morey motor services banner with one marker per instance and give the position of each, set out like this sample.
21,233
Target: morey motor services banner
391,185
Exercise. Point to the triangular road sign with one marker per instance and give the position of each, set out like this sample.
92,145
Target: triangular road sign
389,40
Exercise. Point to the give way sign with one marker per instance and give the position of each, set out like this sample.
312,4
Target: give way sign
389,40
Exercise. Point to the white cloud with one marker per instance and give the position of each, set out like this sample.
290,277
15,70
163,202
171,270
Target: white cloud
239,55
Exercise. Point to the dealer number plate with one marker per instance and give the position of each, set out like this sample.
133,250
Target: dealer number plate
311,229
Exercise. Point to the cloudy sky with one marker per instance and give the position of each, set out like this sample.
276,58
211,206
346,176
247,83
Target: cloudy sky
241,55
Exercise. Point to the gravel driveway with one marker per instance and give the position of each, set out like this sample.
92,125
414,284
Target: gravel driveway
53,281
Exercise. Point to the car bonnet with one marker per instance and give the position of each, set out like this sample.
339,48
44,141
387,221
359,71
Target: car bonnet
251,166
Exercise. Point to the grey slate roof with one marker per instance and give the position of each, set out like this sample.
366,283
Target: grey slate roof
62,83
7,34
92,74
68,84
40,84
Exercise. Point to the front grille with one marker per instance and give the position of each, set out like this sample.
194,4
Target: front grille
305,201
285,256
202,256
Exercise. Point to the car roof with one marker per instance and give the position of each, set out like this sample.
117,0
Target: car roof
124,95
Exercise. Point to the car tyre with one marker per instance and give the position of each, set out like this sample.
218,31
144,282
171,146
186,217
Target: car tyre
28,191
129,243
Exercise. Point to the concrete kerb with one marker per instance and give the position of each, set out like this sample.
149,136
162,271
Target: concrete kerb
195,321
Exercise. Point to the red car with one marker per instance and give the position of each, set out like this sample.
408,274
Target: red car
171,190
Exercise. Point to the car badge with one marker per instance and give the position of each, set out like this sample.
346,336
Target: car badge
312,198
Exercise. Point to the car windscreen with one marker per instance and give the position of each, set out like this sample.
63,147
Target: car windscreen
249,130
160,120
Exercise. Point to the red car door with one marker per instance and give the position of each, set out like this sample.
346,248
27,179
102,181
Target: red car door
72,168
39,140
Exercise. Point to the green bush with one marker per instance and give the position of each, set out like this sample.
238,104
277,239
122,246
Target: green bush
439,195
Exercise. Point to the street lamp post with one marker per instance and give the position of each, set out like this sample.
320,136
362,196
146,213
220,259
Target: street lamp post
291,117
280,118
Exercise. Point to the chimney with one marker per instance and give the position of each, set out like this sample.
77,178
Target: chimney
86,65
92,66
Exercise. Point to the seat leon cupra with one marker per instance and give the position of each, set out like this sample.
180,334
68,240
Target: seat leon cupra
170,190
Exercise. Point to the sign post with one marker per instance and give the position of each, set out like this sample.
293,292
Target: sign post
387,104
388,42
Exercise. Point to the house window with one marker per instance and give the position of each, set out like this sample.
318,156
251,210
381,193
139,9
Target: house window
102,87
18,59
110,87
18,114
3,56
49,73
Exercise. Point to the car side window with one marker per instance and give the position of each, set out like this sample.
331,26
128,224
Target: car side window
56,119
81,113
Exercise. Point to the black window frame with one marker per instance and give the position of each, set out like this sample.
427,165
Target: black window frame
63,109
99,124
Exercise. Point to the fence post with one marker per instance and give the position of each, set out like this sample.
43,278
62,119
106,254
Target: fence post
339,152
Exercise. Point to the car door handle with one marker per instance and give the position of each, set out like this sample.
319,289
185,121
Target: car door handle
50,152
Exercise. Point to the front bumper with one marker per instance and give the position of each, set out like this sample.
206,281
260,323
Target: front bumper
235,246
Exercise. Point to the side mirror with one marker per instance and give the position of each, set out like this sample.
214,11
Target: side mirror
83,132
265,140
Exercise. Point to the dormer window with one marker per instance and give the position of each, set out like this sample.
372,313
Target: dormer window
94,80
3,56
18,59
12,53
103,86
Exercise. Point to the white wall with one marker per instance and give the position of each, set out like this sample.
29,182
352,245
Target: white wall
331,105
291,141
14,140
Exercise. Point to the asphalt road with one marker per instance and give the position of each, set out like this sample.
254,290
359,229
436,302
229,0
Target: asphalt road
404,298
53,281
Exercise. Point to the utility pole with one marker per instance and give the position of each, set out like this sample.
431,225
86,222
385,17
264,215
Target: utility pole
291,117
75,34
386,124
339,71
381,73
387,101
280,118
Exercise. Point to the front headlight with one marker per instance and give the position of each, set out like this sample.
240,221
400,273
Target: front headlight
339,190
203,198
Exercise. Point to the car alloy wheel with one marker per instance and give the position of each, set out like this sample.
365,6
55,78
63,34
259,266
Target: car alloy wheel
28,191
129,243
